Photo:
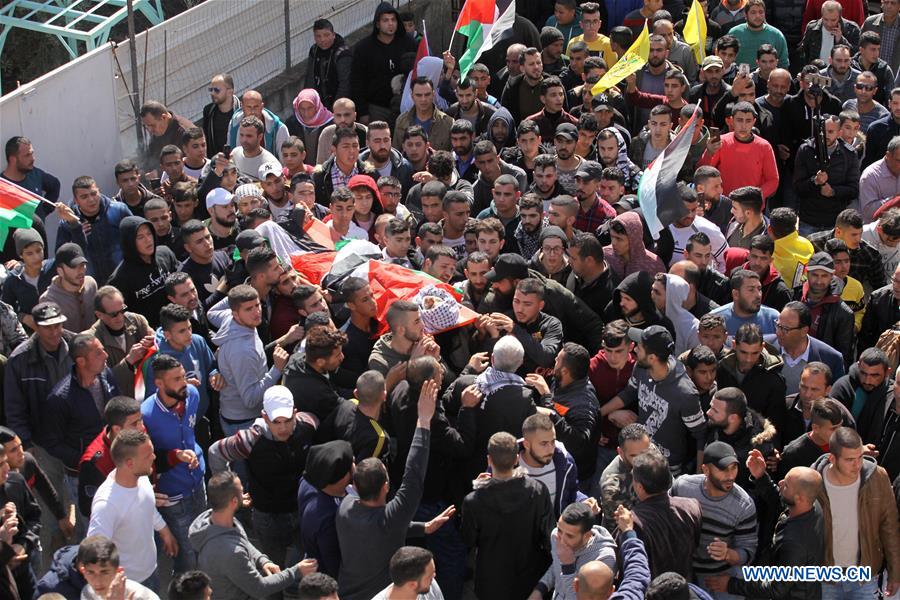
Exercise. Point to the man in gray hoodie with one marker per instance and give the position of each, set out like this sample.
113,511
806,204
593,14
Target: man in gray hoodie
238,570
242,361
574,542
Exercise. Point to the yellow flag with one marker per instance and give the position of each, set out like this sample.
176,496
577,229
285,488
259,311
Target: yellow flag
633,59
695,31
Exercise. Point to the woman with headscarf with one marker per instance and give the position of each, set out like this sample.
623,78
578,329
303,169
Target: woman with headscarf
309,119
686,324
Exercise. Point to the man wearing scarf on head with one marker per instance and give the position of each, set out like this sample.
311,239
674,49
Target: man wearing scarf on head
309,119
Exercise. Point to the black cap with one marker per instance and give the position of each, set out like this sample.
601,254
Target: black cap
508,266
601,102
249,239
719,454
566,130
820,261
327,463
550,35
589,170
47,313
655,339
70,255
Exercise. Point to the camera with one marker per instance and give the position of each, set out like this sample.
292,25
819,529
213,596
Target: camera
817,83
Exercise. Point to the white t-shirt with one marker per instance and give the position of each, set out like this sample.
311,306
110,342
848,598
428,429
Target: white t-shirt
131,587
717,242
250,166
844,500
128,517
434,593
354,233
546,475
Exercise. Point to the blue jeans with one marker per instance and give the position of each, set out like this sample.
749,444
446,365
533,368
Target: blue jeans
449,551
805,229
152,582
179,517
849,590
239,466
279,538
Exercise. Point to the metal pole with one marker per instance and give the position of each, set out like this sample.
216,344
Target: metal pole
132,50
287,35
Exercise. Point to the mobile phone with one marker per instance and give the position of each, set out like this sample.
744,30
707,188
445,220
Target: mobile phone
744,69
298,214
226,151
714,134
155,183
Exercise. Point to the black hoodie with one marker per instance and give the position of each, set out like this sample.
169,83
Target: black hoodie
637,285
142,284
376,63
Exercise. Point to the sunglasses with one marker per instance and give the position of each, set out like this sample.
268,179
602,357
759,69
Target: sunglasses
214,90
866,87
115,314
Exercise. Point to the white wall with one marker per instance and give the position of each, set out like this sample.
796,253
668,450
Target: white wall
79,116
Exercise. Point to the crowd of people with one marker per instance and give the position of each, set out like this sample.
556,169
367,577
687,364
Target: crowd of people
624,413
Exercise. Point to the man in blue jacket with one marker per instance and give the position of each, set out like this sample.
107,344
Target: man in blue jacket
548,461
169,418
73,412
93,224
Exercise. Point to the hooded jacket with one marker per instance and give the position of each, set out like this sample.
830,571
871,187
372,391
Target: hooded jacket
276,132
560,578
143,284
63,576
375,64
870,418
575,417
763,383
566,472
198,361
879,544
509,522
368,182
631,171
317,512
246,374
637,285
328,71
686,325
832,319
669,409
639,258
756,432
775,293
792,252
102,245
501,114
233,563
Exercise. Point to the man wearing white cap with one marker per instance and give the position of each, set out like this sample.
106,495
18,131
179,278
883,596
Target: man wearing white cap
222,221
271,177
275,449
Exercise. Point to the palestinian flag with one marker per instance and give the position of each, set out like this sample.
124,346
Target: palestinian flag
141,372
17,206
389,282
483,22
421,52
657,192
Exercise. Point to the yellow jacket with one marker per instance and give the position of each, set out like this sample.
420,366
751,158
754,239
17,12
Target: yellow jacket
854,295
792,252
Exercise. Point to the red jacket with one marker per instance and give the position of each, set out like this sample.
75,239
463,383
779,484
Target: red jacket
96,463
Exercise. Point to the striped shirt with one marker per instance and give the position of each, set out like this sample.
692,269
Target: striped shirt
731,518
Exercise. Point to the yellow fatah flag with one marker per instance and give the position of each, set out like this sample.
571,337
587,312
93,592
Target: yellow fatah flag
695,31
633,59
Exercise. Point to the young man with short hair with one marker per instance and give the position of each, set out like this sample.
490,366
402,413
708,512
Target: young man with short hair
747,220
98,563
412,576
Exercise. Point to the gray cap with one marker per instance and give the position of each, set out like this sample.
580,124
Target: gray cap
554,231
24,238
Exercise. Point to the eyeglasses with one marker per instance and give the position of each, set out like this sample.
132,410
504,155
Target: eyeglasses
116,313
866,87
552,249
785,328
213,90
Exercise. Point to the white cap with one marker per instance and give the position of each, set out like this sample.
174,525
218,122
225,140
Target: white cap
219,197
278,402
270,168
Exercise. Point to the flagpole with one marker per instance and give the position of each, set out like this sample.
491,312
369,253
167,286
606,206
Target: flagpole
30,193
